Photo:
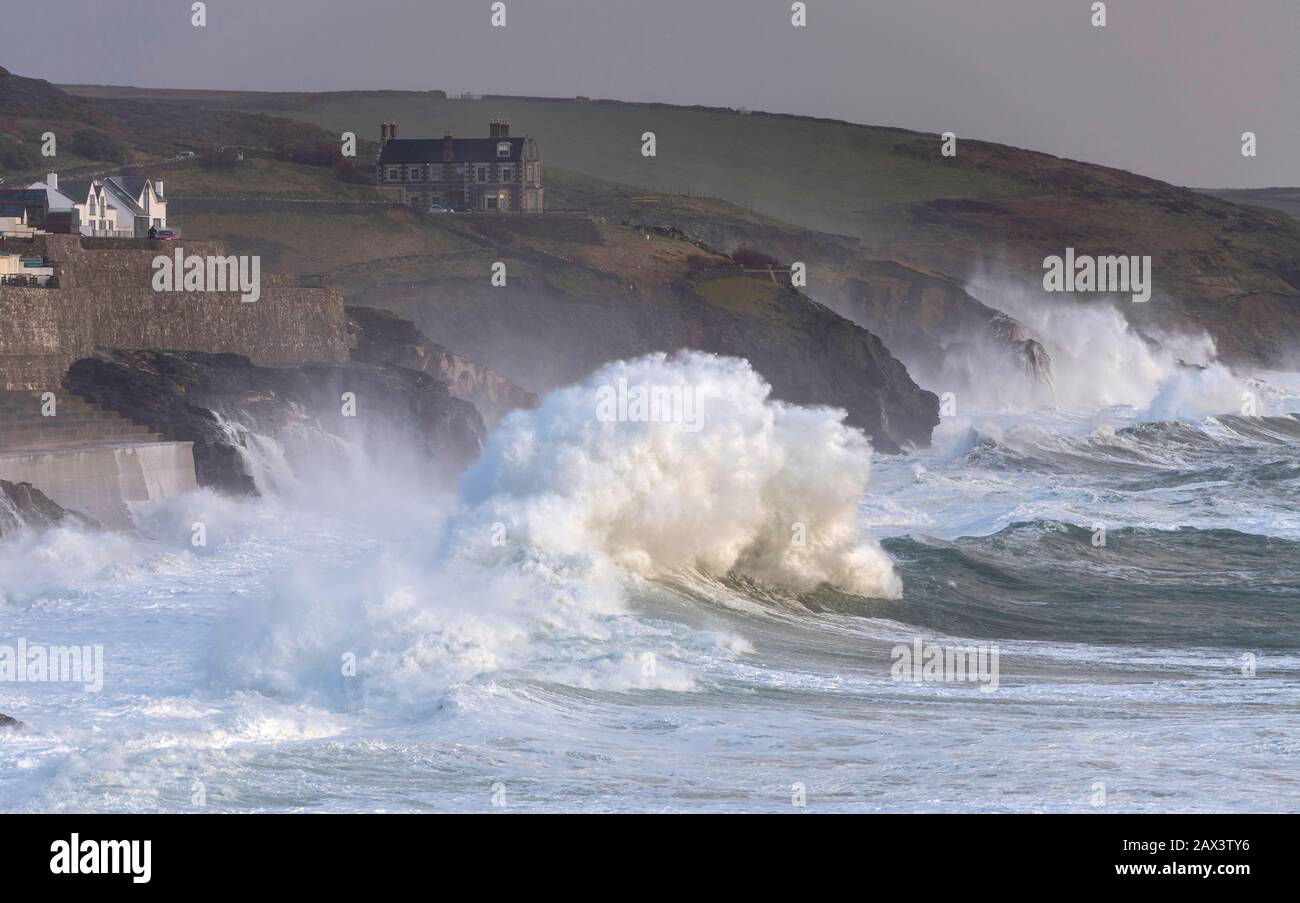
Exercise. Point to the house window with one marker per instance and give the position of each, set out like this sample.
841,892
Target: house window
507,174
392,173
503,149
480,173
492,203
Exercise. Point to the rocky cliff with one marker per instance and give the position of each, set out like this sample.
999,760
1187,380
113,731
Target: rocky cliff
600,293
921,316
219,401
383,337
23,505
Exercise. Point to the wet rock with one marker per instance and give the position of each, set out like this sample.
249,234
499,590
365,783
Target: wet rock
384,337
553,330
221,401
23,505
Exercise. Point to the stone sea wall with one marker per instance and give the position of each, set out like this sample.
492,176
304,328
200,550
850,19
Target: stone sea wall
106,301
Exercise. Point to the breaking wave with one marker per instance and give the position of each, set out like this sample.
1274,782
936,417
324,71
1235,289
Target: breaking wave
767,490
560,523
1100,360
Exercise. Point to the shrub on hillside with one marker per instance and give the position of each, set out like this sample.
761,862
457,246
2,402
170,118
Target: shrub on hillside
310,153
96,145
16,155
754,259
347,170
219,158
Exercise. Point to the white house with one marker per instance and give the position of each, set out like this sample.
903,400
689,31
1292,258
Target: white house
115,206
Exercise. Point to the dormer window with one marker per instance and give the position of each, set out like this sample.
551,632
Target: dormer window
503,149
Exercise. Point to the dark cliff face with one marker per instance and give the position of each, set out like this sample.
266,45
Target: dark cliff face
23,505
213,400
542,336
918,315
383,337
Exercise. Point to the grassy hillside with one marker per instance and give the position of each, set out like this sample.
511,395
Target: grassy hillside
94,134
263,178
823,183
1229,269
1285,199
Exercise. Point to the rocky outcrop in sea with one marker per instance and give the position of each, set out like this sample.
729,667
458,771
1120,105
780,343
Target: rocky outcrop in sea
23,505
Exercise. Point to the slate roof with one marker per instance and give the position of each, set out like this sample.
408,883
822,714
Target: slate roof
55,199
121,198
74,191
464,150
27,197
133,186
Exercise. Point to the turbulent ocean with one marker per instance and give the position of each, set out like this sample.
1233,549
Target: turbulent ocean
707,616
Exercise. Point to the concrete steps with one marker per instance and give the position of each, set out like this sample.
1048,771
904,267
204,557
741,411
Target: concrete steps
77,424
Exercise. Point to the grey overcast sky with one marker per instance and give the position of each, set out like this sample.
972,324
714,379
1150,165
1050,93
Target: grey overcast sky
1165,89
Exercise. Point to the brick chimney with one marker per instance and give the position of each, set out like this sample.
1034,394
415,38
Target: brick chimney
448,147
158,189
392,130
499,128
383,133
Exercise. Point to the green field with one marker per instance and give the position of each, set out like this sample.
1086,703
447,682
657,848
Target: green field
826,176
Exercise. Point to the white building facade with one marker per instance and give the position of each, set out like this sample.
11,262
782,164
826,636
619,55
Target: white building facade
112,207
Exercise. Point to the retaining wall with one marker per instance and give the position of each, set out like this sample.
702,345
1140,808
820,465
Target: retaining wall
105,300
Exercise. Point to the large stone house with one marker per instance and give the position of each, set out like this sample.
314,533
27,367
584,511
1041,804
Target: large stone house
497,173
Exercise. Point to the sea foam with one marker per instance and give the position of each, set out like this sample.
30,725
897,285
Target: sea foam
563,517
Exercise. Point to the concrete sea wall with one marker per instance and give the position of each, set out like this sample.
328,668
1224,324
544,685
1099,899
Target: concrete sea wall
106,481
